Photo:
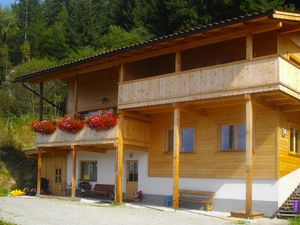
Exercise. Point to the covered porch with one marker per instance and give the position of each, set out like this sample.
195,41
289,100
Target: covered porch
214,162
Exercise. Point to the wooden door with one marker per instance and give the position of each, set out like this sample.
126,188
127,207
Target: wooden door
54,169
131,178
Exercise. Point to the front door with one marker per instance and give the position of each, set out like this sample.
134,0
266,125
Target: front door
131,178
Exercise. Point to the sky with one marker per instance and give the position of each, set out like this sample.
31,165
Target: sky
6,2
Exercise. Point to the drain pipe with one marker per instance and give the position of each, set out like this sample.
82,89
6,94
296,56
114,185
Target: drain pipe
42,98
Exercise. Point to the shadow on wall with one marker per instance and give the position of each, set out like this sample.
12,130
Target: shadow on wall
16,170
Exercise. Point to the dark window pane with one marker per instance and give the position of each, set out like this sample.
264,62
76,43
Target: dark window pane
188,139
226,138
84,171
242,137
170,136
93,171
297,134
292,139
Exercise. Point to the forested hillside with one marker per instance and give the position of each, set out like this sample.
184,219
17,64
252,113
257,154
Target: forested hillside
35,34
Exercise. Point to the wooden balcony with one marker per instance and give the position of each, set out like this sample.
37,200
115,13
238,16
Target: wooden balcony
86,136
136,135
243,77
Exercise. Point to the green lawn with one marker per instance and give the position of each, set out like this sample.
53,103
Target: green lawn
2,222
295,221
3,192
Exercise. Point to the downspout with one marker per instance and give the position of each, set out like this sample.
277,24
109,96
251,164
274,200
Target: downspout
42,98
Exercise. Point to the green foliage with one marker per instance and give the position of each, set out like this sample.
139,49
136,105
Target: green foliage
3,192
33,65
15,132
117,37
294,221
2,222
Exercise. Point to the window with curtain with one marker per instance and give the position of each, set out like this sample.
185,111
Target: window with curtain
88,170
233,137
294,140
188,140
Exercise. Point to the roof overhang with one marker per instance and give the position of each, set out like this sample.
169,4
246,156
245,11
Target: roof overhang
227,29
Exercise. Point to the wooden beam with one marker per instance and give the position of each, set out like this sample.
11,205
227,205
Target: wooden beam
137,116
249,47
41,101
281,15
76,94
177,61
176,150
39,173
249,150
192,111
120,158
290,108
122,72
74,162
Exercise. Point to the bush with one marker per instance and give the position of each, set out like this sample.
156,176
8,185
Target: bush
2,222
295,221
3,192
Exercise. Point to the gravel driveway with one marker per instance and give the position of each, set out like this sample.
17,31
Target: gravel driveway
35,211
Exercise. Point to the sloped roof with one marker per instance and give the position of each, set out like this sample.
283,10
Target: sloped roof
176,35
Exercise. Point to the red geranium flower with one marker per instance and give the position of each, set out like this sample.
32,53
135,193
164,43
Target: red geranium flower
43,127
71,125
102,121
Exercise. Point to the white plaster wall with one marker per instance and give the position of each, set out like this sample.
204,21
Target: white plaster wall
263,190
287,184
105,166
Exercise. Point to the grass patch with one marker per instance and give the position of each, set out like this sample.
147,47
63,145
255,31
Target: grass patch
3,193
2,222
295,221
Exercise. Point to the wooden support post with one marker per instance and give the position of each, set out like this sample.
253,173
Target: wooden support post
41,101
119,194
249,47
122,72
39,172
74,159
249,150
76,94
178,62
176,150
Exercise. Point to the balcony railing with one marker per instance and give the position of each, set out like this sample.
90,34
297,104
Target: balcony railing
86,136
242,77
136,133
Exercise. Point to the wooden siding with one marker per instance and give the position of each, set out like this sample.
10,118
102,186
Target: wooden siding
287,162
50,162
84,137
243,77
289,76
207,161
136,133
92,88
222,80
289,44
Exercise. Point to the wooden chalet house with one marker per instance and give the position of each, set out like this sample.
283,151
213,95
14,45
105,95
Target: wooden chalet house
213,108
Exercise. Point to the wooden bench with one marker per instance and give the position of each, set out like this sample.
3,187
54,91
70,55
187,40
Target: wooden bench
103,189
204,197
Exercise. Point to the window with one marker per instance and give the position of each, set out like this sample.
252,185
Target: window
233,137
188,140
294,140
132,171
88,170
57,175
